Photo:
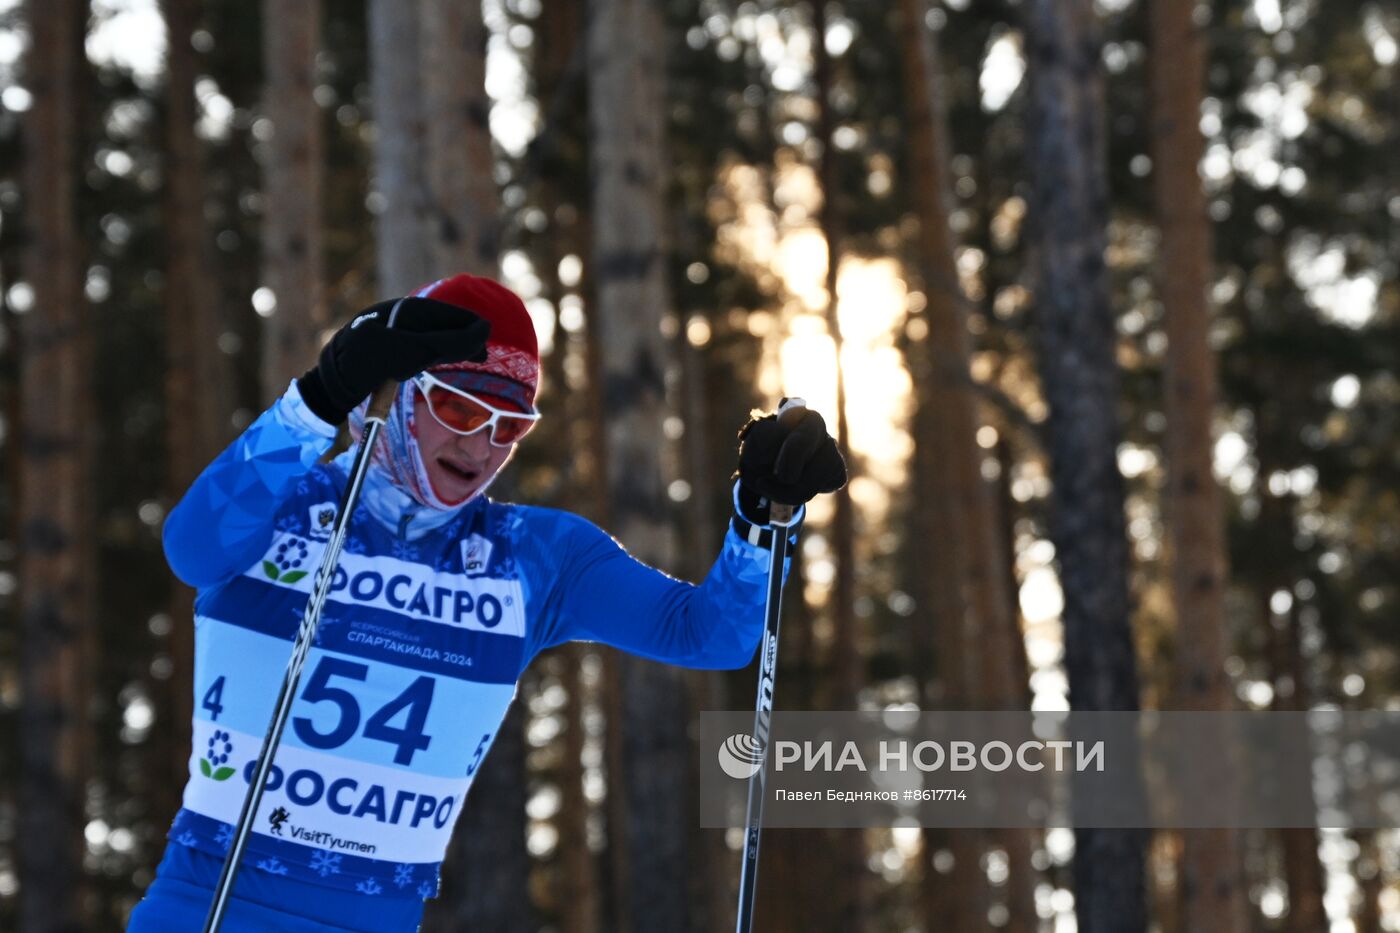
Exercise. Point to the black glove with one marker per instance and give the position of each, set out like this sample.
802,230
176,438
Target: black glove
366,353
788,459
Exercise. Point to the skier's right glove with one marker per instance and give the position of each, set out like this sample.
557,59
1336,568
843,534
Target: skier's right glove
367,352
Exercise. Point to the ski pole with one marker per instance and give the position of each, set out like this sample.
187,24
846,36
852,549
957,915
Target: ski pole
781,519
310,620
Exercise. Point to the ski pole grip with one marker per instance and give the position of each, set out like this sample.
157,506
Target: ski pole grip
790,404
780,515
381,401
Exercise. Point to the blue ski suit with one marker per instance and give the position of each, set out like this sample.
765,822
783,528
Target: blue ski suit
431,618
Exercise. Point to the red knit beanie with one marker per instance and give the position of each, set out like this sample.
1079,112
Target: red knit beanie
511,372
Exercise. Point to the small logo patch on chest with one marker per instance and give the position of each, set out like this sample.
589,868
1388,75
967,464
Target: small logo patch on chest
476,556
319,520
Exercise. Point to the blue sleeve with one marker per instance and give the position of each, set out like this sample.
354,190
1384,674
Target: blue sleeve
601,593
226,518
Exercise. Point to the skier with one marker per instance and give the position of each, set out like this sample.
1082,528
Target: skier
441,599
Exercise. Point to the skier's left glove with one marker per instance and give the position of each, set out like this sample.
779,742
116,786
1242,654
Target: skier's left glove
788,458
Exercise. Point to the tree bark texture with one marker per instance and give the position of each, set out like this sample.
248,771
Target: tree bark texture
400,147
463,201
1302,867
558,32
712,873
293,266
54,516
966,572
627,119
849,885
197,378
1069,205
1212,886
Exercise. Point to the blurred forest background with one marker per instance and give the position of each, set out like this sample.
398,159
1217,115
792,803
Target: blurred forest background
1112,288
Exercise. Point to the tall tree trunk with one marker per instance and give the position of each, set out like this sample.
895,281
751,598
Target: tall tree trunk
627,117
1069,201
1302,867
948,421
461,186
615,867
197,377
56,560
577,885
292,255
849,885
1212,881
557,37
710,902
847,647
793,861
400,148
942,643
1013,691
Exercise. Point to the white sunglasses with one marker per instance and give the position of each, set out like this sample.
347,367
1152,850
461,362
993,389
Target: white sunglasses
461,412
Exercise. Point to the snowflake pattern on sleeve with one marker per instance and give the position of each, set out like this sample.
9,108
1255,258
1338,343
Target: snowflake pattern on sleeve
325,863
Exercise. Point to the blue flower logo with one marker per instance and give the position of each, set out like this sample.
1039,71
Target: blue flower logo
214,764
285,565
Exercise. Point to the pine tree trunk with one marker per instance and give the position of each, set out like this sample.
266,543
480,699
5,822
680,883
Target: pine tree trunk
712,875
1212,884
972,562
615,866
196,380
1069,205
400,148
1014,692
293,265
849,887
1302,867
793,890
627,119
557,36
54,519
461,185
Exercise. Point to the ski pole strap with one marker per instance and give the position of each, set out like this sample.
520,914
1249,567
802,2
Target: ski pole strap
780,515
760,535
